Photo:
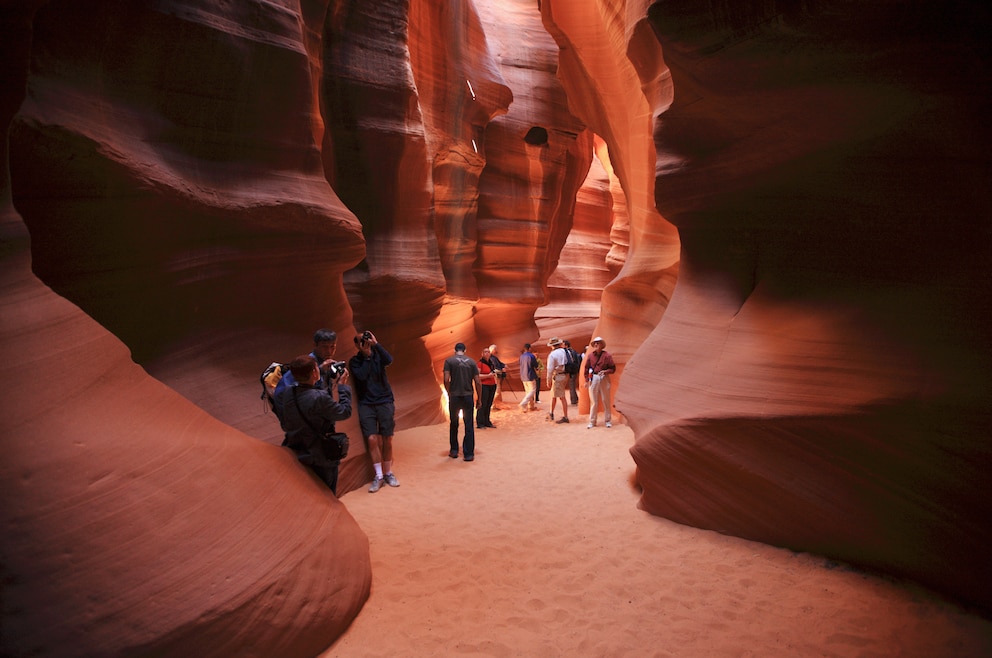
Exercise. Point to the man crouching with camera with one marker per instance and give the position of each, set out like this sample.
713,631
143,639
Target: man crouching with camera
307,413
375,406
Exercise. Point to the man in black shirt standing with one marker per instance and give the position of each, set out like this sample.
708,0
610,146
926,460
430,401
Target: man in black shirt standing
462,381
376,407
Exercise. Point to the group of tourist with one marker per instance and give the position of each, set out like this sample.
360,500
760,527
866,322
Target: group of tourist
564,370
314,394
474,386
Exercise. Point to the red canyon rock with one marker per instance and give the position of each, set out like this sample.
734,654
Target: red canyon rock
820,379
631,86
166,166
201,186
134,522
536,156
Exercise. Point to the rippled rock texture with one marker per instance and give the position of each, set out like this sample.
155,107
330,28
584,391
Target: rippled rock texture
195,187
820,379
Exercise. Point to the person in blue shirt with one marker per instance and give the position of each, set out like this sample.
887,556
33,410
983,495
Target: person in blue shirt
376,408
325,343
528,375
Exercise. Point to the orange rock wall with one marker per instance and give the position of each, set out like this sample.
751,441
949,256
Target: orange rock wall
194,188
537,156
166,163
617,82
210,185
820,379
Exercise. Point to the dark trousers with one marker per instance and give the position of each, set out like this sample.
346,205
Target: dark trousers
488,395
465,404
573,382
325,469
329,474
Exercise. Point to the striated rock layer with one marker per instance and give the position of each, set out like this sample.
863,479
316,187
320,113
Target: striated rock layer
211,184
616,80
203,185
376,154
165,162
535,156
821,377
135,523
183,206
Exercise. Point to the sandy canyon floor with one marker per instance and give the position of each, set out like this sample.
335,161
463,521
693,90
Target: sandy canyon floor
537,548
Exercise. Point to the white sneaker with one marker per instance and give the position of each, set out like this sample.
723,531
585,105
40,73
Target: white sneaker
609,424
590,426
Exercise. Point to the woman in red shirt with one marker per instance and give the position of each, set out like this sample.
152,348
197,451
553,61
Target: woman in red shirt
488,376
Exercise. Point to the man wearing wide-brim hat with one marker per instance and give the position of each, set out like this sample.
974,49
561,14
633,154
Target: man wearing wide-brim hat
599,368
558,378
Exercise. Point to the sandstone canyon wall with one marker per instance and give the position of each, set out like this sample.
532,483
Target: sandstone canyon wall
194,188
617,82
820,379
536,156
166,177
201,187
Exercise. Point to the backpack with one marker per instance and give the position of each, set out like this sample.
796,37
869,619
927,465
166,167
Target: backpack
572,364
270,378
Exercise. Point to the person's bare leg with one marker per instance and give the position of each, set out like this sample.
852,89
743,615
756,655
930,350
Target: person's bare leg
387,461
375,452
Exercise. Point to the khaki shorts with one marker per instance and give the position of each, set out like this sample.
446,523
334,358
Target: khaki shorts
559,385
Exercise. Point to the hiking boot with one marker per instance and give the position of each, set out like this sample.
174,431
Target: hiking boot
563,420
391,480
376,484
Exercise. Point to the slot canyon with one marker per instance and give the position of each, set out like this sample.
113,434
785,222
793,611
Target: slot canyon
777,212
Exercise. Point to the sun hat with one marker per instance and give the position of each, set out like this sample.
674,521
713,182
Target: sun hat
598,339
554,341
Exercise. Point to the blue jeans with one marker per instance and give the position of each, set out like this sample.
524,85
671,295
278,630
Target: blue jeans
573,383
465,404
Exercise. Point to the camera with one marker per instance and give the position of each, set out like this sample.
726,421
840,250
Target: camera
336,368
366,336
